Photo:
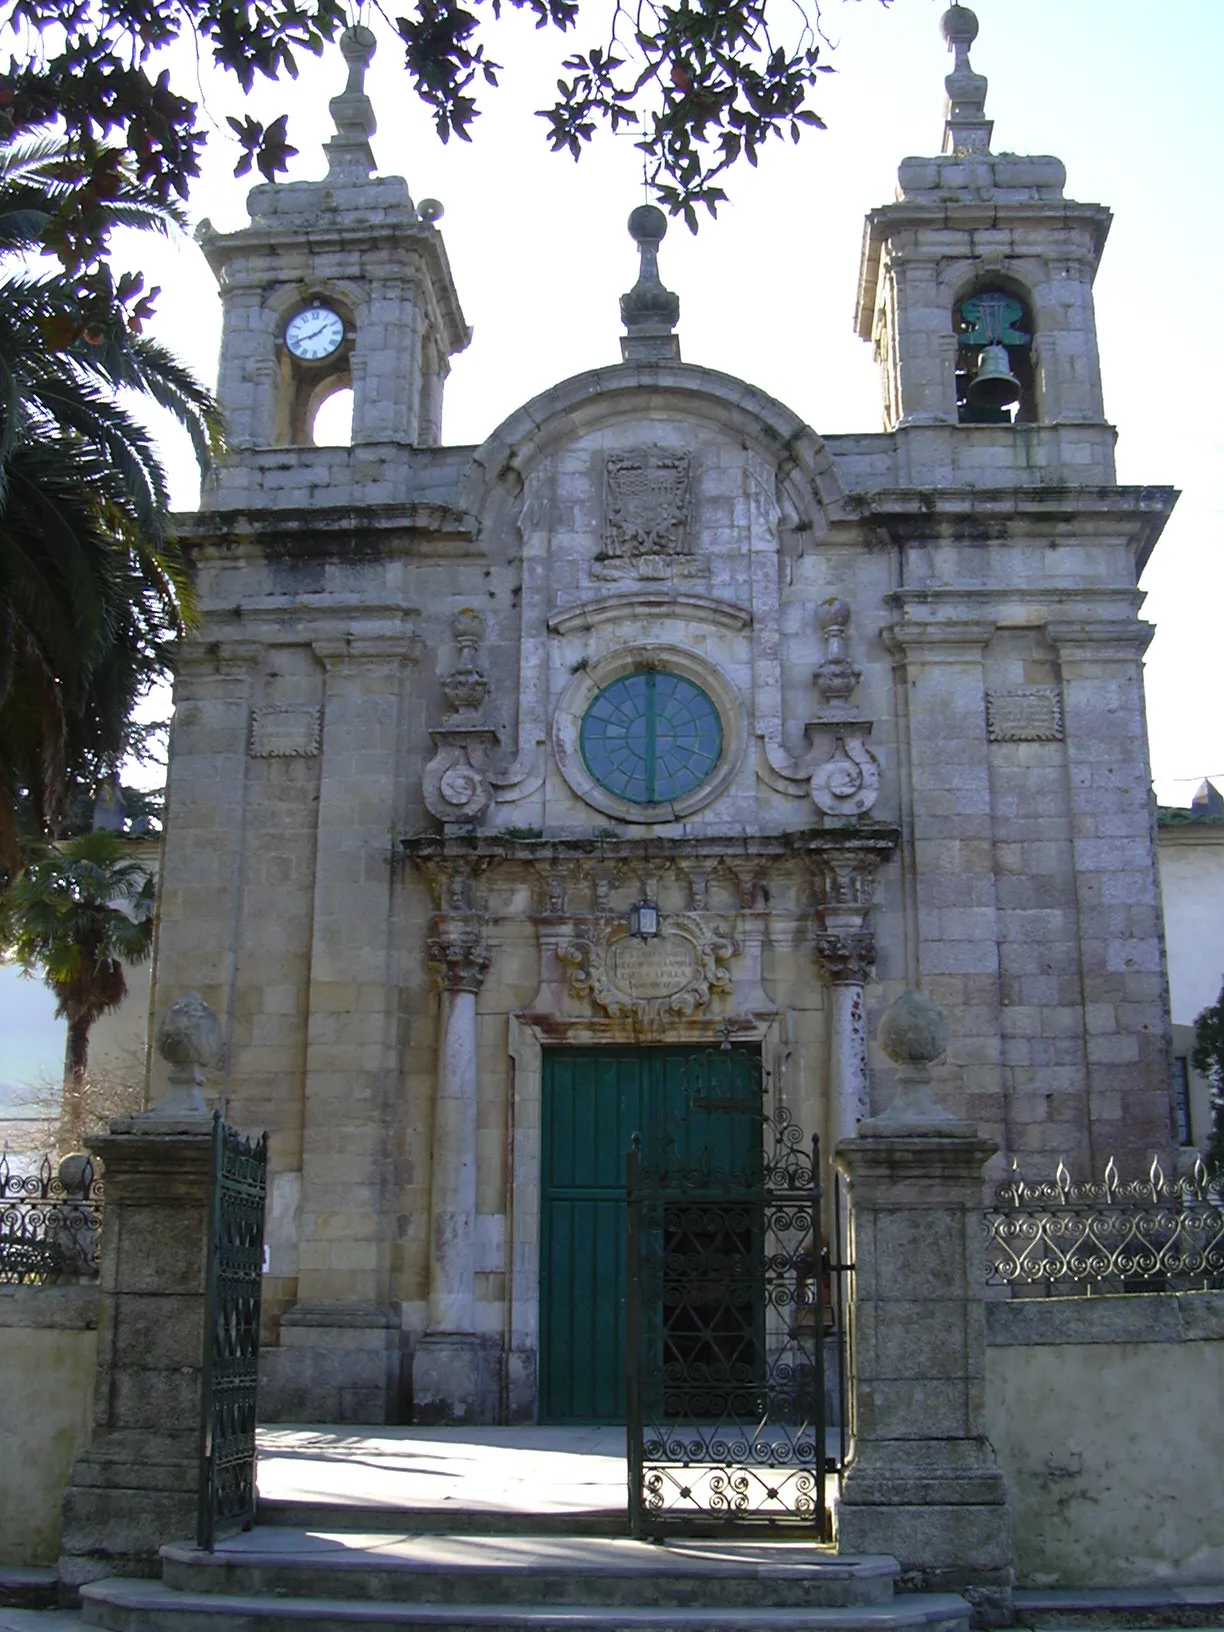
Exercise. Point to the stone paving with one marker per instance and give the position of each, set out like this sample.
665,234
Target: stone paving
532,1469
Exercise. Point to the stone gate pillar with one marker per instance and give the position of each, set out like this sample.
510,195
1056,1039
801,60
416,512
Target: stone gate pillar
922,1483
448,1384
136,1485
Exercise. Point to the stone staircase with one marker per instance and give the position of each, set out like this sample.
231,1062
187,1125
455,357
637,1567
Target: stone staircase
329,1577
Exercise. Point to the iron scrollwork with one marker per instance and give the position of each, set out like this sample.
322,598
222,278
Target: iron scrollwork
728,1305
49,1222
231,1334
1108,1234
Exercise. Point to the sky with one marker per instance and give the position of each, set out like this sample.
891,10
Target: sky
1124,92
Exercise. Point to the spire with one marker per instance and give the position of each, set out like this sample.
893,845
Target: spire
649,311
349,155
966,127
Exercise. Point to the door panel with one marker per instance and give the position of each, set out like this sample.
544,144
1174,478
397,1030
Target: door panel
595,1100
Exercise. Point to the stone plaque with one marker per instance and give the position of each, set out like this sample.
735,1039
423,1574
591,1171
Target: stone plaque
658,968
1024,716
284,733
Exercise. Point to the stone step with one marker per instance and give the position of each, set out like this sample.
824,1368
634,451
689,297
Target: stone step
449,1519
574,1571
1167,1604
127,1605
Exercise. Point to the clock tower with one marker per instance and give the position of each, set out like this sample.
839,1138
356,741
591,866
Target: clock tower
336,284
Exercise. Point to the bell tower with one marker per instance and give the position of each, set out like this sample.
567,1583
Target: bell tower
336,284
975,286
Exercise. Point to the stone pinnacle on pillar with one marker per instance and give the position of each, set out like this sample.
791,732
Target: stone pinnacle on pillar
966,127
649,311
349,155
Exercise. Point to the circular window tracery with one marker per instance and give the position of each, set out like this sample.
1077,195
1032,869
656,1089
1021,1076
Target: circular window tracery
651,736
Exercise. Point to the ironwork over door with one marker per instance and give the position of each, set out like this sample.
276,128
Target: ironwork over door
595,1100
231,1334
726,1314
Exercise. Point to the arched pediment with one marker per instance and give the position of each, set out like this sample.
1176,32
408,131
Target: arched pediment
633,392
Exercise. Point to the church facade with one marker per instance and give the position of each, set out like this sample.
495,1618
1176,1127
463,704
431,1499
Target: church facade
503,777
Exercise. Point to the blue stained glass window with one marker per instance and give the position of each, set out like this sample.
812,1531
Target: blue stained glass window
651,737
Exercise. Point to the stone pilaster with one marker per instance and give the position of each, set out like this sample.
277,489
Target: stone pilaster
1113,837
922,1482
202,870
940,665
136,1487
340,1345
449,1381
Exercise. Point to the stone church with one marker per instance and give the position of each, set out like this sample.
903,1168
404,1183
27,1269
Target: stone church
658,726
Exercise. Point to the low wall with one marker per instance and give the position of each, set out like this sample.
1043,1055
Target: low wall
48,1351
1106,1417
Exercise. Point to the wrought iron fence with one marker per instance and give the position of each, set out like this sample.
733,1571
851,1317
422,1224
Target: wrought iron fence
49,1222
1065,1237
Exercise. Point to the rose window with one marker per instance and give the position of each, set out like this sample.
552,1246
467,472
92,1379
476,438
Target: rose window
651,737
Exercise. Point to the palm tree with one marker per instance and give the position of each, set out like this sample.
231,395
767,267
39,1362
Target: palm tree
80,911
93,587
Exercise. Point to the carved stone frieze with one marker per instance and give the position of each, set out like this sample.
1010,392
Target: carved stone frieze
458,955
672,976
646,504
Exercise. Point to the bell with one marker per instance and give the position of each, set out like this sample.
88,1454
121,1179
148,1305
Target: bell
994,385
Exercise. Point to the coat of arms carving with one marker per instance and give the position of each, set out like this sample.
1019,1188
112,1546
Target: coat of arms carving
646,504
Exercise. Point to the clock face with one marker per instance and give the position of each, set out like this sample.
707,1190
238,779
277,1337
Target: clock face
314,333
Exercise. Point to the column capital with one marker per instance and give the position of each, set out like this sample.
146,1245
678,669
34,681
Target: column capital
367,651
459,956
954,640
231,659
846,956
1122,639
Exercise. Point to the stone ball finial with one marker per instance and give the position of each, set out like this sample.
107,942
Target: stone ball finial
358,45
959,26
913,1031
833,613
72,1173
647,225
189,1035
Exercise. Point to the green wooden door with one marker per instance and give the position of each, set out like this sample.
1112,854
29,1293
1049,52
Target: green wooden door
595,1100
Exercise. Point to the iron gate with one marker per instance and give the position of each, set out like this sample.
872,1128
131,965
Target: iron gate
231,1334
734,1306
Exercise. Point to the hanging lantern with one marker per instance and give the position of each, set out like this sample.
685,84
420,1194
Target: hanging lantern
644,919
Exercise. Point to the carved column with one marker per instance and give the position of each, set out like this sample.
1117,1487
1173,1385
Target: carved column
845,948
448,1374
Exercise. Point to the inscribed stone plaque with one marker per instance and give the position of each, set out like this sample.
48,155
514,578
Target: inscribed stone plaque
1024,716
657,968
284,733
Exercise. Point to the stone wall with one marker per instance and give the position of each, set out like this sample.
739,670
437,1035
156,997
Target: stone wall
1105,1418
48,1352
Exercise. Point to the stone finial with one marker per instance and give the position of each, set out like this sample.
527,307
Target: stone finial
466,686
188,1039
836,677
649,311
913,1032
966,127
349,155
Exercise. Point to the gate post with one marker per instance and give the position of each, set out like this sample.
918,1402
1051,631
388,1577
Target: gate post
136,1485
922,1483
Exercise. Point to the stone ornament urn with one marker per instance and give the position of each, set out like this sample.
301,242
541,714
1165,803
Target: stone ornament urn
189,1040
